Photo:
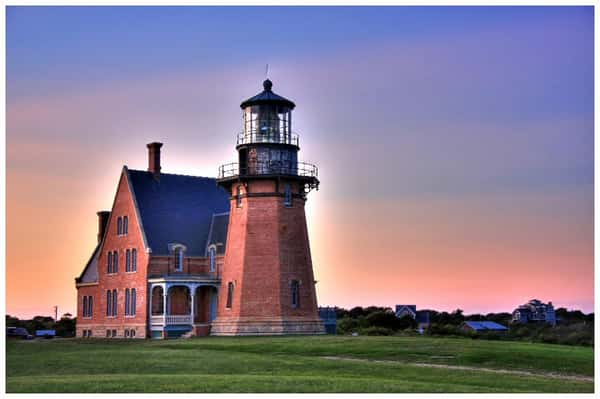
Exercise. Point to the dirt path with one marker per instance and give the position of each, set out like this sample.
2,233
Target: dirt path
468,368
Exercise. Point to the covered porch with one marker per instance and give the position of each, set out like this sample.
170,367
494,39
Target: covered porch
182,306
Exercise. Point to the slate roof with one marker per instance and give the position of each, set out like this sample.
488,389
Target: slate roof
485,325
178,209
267,97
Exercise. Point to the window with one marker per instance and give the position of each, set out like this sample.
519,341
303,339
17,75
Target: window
84,333
212,254
115,262
287,198
128,261
90,306
132,333
239,196
132,303
108,303
107,333
85,306
114,333
126,301
295,294
134,260
125,225
89,333
114,303
119,226
126,333
179,259
229,294
109,262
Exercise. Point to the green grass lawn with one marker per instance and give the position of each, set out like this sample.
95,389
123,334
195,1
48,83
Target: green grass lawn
296,364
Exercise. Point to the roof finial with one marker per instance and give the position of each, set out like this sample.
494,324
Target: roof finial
267,71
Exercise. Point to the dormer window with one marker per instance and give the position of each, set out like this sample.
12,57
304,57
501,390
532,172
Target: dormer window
212,258
178,251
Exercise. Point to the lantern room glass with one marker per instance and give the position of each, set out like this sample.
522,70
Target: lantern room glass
268,123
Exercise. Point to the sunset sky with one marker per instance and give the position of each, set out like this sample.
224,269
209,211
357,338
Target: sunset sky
454,144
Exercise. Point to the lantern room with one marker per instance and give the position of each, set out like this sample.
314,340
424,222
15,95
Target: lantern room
267,118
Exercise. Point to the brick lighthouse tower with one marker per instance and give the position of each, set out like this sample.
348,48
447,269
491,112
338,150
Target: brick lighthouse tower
267,281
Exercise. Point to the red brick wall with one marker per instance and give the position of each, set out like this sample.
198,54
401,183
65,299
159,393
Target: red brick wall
123,206
267,248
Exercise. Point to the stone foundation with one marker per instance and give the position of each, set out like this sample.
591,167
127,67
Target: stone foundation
267,326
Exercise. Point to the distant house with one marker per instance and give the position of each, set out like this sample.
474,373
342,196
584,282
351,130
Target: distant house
329,318
421,317
482,326
406,310
535,311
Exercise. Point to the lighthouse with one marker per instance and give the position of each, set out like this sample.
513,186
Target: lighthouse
267,282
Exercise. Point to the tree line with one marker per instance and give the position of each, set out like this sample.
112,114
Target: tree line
573,328
65,327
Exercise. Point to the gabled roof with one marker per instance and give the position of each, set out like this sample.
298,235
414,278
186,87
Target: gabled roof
90,271
485,325
177,209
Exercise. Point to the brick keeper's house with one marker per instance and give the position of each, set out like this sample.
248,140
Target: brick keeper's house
196,255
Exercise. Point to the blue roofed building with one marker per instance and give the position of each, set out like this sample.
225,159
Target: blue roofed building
483,326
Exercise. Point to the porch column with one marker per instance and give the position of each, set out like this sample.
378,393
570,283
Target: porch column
192,296
165,295
150,303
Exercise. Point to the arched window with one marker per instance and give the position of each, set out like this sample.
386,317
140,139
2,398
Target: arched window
179,258
134,260
212,256
115,262
109,262
114,302
126,333
239,196
132,303
126,301
287,198
85,306
229,294
295,293
132,333
128,260
125,225
108,303
90,306
119,226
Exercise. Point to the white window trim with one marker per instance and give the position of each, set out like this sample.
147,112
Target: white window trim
212,258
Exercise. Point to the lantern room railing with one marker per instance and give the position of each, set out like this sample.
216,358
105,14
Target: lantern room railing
258,168
257,136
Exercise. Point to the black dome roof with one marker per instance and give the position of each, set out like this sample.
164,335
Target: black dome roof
267,97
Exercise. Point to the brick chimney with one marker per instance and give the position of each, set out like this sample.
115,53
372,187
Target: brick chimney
103,217
154,158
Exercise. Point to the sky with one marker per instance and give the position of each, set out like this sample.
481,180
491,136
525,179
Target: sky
454,144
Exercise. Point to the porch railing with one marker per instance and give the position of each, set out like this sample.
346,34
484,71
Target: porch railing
179,319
